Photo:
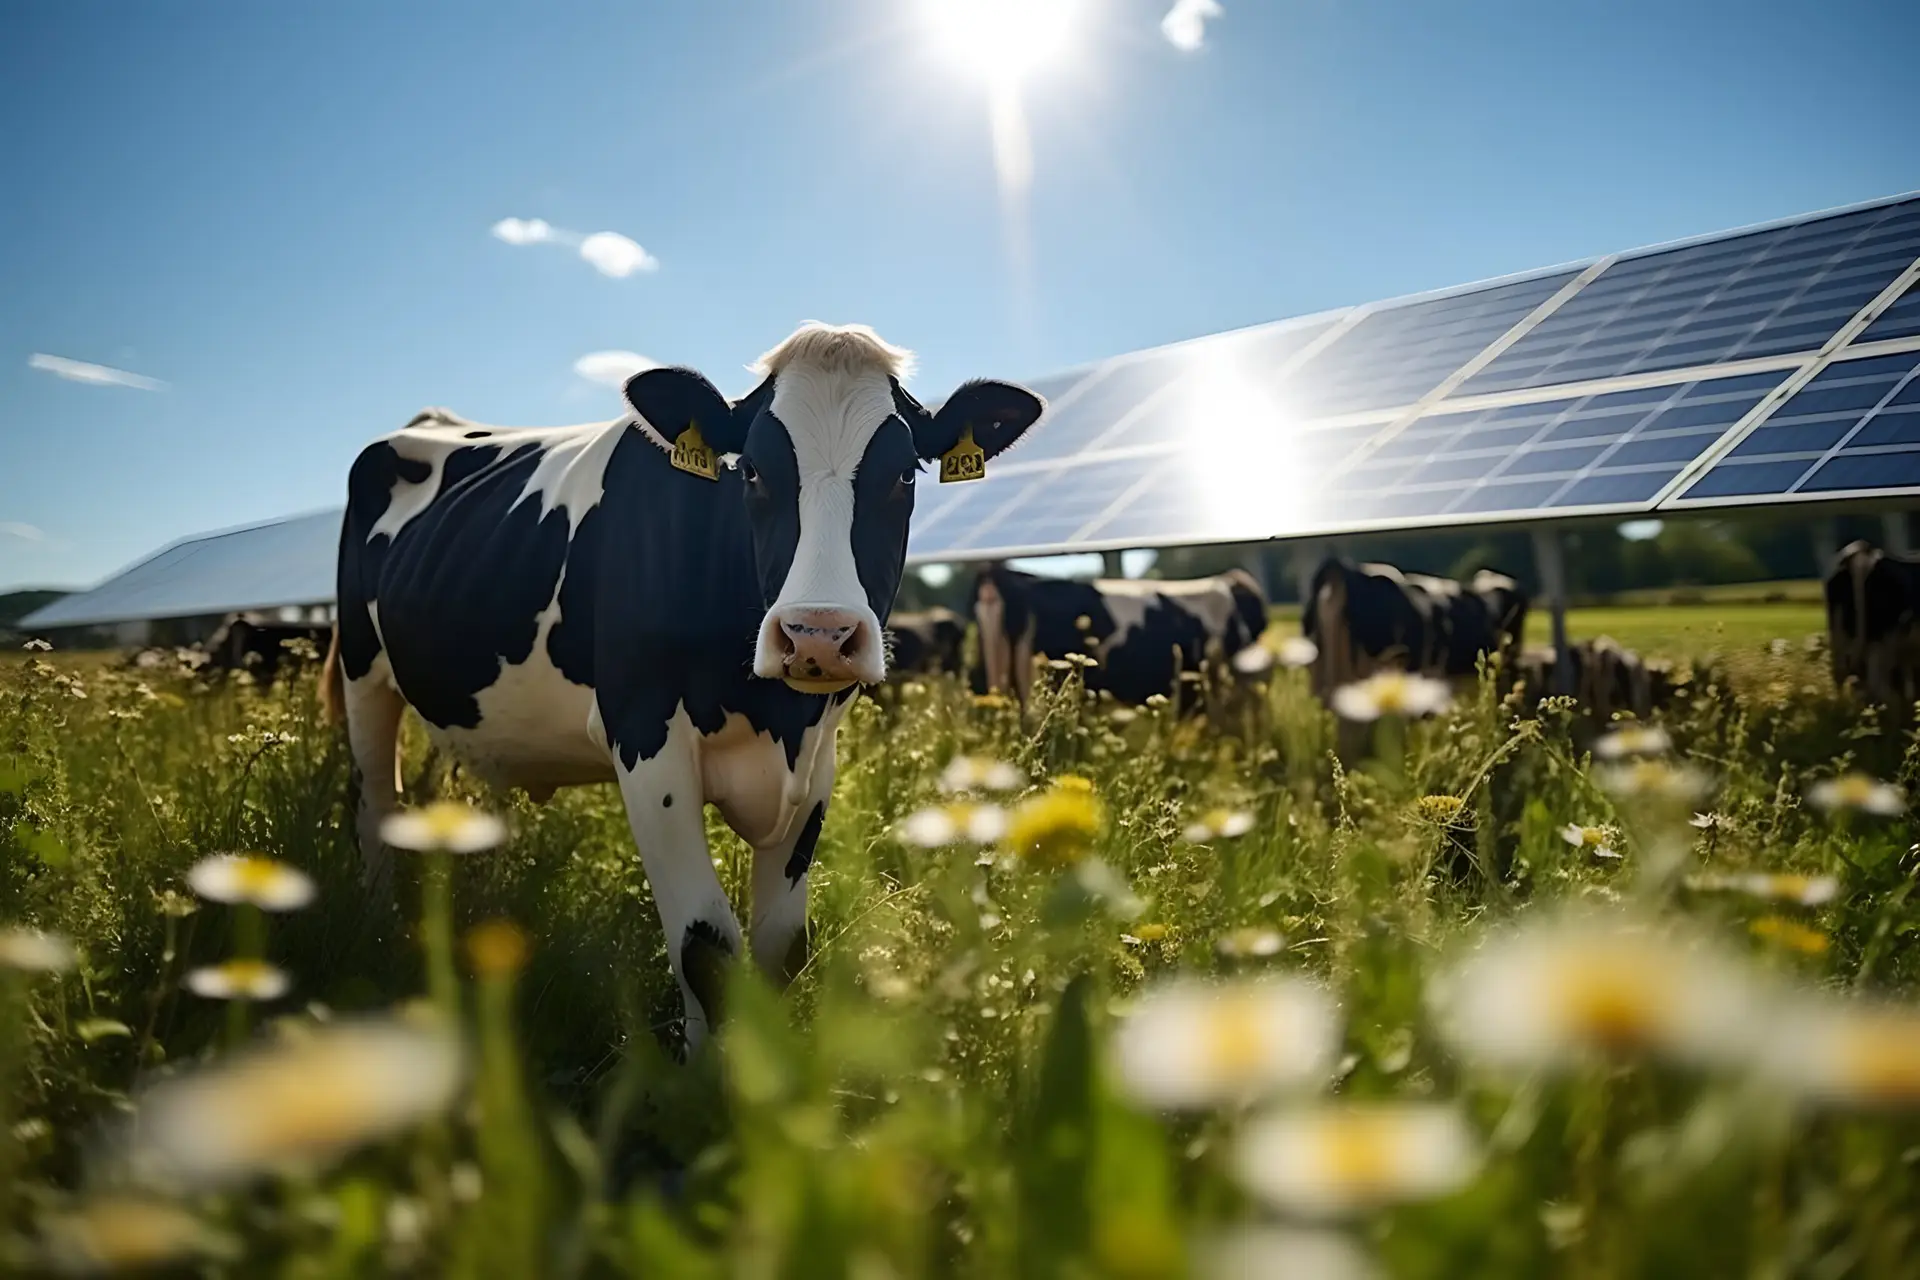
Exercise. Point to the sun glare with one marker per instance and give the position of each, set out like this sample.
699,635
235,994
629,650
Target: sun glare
1002,41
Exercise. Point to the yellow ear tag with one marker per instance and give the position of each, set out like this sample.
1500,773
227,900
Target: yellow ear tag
691,454
965,461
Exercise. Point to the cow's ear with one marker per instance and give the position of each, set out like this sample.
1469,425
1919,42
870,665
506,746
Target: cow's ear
999,413
668,401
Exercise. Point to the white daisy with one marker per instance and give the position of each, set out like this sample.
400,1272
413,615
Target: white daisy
1341,1159
974,773
1596,841
1802,891
239,980
262,882
1253,660
1655,780
1192,1044
1859,792
1391,693
1264,1253
32,951
1219,824
444,825
122,1233
1298,651
1250,943
1710,822
1847,1053
954,823
1632,740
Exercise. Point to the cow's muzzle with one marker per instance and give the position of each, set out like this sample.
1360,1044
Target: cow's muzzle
820,648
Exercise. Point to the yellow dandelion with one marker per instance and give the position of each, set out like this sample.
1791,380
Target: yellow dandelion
444,825
124,1233
1250,943
992,701
301,1104
1247,1253
1218,824
1860,793
1790,935
1192,1044
1595,841
1073,782
960,822
1559,992
974,773
1633,740
1337,1160
257,881
239,980
1848,1054
1391,693
1055,828
33,951
497,948
1440,811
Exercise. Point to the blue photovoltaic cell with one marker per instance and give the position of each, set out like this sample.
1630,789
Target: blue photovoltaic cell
1854,426
1901,320
1766,293
1600,450
1397,354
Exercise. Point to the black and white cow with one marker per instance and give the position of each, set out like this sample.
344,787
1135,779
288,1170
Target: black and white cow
617,602
1873,624
1142,633
1366,617
931,642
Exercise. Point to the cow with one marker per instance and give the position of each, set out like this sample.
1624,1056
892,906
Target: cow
1141,634
1606,678
932,642
1873,624
681,601
263,648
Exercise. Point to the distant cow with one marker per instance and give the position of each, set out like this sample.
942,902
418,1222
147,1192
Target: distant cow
1873,623
1141,634
1606,678
262,648
614,602
1368,617
932,642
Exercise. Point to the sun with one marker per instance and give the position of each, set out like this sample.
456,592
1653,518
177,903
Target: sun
1002,41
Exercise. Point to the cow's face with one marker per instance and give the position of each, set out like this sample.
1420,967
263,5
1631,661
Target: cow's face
829,451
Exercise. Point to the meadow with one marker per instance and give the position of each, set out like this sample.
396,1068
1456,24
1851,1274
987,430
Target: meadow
1167,997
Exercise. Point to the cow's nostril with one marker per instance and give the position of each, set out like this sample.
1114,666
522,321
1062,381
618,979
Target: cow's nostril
854,635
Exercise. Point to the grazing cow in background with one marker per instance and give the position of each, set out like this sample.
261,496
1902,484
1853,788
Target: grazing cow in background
263,648
1368,617
614,602
1606,678
1142,633
932,642
1873,624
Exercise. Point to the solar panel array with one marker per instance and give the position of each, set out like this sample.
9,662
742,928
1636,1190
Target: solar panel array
1772,365
1619,387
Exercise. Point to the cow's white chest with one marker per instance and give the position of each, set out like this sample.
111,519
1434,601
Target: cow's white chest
745,775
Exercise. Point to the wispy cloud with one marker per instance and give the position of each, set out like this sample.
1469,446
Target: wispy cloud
24,532
1185,25
98,375
612,368
608,252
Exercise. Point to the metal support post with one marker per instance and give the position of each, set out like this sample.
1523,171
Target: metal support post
1111,565
1894,533
1550,561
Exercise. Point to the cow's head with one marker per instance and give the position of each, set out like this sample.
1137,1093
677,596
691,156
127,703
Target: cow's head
829,447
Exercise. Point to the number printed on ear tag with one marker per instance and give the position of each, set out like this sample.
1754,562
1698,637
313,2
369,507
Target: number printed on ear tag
691,454
965,461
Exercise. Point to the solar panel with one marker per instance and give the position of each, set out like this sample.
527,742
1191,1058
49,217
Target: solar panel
1901,320
1853,428
288,562
1766,293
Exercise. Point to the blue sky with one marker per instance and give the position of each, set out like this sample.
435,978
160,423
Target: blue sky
282,211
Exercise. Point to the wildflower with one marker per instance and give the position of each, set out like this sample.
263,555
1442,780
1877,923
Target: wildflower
1654,780
1553,993
1056,827
242,877
303,1103
1123,715
1253,660
1848,1054
1219,824
1391,693
37,645
32,951
1790,934
1298,651
952,823
1249,944
497,948
1633,740
1150,932
239,980
972,773
1246,1252
1073,782
1801,891
991,701
123,1233
1711,822
1338,1160
1191,1044
1860,792
1440,811
444,824
1156,701
1597,841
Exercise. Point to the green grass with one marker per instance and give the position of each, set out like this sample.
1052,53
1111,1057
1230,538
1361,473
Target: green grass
938,1095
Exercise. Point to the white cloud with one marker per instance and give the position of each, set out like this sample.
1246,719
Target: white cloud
608,252
98,375
1185,25
612,254
522,230
24,532
612,368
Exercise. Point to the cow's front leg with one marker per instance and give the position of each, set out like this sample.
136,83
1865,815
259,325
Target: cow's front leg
780,869
664,804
